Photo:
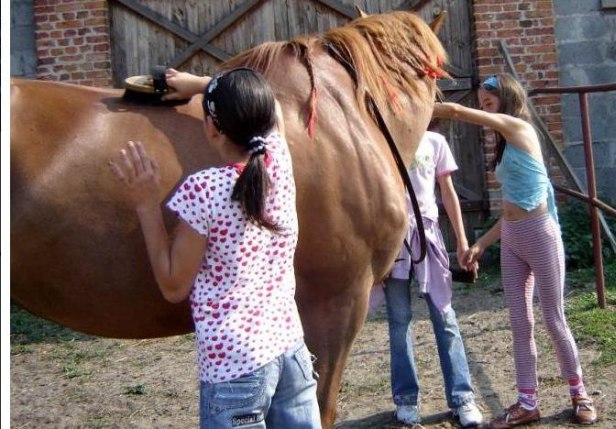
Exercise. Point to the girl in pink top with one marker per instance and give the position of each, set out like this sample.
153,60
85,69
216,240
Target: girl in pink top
432,165
232,255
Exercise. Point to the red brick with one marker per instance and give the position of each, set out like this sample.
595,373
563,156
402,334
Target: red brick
71,58
104,47
69,24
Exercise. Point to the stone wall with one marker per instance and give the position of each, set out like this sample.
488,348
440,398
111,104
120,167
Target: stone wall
586,45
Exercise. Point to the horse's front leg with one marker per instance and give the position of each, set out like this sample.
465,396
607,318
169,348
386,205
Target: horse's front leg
331,323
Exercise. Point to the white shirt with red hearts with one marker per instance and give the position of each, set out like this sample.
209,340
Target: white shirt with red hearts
243,297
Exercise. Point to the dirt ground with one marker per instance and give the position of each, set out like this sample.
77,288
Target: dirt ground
62,379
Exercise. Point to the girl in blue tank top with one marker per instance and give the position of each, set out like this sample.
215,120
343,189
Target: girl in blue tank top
532,253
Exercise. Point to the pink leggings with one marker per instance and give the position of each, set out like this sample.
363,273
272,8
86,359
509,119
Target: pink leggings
532,255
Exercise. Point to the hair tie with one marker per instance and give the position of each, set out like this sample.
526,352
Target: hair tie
209,103
256,145
490,83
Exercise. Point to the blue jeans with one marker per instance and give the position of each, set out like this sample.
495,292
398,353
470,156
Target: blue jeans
404,381
281,394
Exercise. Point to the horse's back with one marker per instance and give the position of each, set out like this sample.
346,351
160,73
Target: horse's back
77,254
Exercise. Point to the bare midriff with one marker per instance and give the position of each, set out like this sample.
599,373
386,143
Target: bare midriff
514,212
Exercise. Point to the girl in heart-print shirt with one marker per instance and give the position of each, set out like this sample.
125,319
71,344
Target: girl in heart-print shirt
232,255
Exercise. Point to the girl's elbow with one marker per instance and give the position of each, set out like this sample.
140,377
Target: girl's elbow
174,298
175,295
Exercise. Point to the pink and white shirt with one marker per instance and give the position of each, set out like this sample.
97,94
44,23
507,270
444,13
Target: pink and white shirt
242,300
433,159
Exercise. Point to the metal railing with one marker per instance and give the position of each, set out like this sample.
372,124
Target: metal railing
591,199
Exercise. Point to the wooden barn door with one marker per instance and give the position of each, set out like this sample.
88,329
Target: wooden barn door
196,35
464,139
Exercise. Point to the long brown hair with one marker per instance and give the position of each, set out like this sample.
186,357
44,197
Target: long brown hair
513,101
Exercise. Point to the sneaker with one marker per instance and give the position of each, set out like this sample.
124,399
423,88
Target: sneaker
408,414
515,415
584,412
468,414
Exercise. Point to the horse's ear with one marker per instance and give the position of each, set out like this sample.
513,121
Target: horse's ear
438,22
360,12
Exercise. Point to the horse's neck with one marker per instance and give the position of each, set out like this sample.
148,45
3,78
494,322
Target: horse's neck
406,123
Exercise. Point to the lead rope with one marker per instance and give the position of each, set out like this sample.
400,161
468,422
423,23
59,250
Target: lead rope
405,178
394,150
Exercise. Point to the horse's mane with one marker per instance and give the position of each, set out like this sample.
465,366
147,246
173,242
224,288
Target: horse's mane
388,53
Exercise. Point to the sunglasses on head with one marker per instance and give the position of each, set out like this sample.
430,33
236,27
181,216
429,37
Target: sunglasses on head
490,83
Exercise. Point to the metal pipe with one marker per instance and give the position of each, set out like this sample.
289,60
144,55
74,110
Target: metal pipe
574,89
592,194
581,196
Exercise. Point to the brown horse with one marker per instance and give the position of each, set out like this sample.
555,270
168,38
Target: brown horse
78,256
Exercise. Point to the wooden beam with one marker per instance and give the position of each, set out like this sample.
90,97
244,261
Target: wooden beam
412,5
341,8
172,27
203,41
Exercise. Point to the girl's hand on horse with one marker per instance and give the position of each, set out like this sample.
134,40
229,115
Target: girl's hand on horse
140,174
184,85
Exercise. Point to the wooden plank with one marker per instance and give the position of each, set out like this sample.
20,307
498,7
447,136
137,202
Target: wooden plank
456,84
467,193
412,5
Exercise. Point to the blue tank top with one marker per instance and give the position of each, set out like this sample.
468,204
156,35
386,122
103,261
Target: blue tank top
525,180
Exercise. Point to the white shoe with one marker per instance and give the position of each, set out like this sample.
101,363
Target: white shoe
408,414
468,414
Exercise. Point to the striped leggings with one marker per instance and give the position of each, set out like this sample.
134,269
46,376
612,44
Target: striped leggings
532,255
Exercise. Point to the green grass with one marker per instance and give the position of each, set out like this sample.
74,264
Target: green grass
589,323
28,329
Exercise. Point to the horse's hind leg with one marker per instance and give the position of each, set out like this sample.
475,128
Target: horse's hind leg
331,323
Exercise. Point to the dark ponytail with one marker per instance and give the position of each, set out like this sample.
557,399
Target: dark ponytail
242,106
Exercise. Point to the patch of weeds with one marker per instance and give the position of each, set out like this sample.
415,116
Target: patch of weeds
73,370
99,422
593,325
20,349
135,389
585,277
551,381
577,235
489,278
27,329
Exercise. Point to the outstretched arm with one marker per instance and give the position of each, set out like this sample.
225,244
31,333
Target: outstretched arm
516,131
184,85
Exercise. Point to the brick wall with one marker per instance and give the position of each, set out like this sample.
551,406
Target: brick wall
527,28
72,41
